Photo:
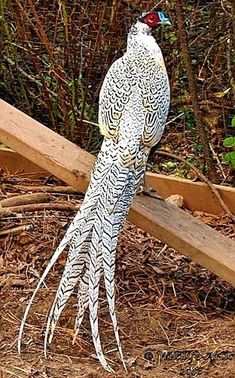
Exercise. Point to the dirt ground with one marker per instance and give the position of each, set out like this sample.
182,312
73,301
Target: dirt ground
176,318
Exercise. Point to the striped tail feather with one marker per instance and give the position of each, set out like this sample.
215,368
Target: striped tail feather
92,239
112,228
94,282
79,222
74,226
73,271
116,181
109,254
83,301
83,293
75,268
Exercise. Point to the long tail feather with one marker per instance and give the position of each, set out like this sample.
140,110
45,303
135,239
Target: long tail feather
71,275
112,228
83,301
73,229
92,239
63,244
94,281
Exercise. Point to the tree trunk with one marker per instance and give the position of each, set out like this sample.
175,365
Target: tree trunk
194,90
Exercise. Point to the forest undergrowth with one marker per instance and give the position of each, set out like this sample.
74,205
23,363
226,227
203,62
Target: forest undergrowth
55,57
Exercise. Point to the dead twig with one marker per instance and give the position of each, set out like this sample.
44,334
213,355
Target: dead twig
37,207
218,160
24,199
30,77
203,178
16,230
45,188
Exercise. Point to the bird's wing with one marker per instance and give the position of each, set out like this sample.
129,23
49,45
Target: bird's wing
114,96
155,98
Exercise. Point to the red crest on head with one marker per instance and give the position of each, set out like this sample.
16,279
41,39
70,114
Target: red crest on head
152,19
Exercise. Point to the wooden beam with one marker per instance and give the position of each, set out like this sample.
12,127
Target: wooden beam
161,219
44,147
197,195
12,162
186,234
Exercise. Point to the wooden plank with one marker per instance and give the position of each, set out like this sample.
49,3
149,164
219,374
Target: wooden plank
197,195
186,234
12,162
161,219
44,147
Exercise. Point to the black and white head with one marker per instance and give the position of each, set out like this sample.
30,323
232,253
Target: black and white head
151,20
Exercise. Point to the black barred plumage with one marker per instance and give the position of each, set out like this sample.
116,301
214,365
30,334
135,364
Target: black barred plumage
133,108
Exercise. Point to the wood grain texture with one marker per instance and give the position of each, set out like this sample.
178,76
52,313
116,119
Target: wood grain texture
159,218
186,234
44,147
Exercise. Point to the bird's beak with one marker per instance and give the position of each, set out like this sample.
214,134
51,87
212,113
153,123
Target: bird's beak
167,22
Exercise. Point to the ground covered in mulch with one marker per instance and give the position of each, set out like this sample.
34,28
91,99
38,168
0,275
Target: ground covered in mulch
176,318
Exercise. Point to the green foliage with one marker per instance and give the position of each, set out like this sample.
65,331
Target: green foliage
198,147
229,142
170,35
192,159
233,122
169,165
189,117
229,157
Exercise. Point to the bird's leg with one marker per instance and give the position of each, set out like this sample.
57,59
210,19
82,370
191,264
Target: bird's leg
145,190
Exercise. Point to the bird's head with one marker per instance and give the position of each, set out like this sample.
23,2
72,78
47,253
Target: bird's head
154,18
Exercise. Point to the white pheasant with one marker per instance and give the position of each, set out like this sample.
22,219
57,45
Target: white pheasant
133,108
